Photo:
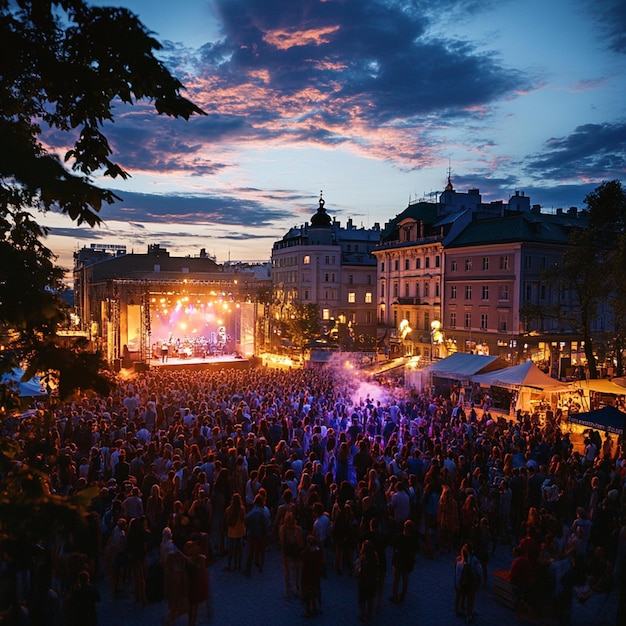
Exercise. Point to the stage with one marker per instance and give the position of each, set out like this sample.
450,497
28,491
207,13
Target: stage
226,361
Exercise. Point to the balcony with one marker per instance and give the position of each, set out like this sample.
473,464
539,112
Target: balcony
407,301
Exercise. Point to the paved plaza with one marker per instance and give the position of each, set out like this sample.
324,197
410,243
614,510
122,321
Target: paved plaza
259,600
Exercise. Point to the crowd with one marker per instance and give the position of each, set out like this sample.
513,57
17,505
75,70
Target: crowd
194,468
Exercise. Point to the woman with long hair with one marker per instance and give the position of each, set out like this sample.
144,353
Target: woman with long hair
155,511
291,541
137,548
447,519
235,524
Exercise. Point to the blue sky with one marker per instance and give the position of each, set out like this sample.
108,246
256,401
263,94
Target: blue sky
368,100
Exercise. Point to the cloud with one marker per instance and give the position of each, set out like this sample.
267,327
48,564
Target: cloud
611,15
592,152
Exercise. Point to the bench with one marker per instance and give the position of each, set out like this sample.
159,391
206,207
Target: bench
503,590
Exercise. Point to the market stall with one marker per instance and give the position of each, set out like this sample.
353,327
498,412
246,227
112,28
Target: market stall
531,389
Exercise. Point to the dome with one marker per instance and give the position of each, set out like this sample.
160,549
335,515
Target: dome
321,218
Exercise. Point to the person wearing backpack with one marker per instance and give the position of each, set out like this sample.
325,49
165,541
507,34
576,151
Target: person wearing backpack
467,576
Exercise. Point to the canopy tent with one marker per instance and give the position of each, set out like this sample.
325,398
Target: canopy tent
462,366
27,389
523,375
607,418
603,385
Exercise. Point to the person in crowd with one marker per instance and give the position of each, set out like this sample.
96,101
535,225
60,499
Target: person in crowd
311,577
405,546
235,522
175,577
291,539
467,576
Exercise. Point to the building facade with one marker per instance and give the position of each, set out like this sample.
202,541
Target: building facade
330,266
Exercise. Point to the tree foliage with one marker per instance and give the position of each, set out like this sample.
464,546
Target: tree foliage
303,323
592,271
63,67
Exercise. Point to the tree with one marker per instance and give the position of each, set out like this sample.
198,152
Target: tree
303,323
63,67
592,270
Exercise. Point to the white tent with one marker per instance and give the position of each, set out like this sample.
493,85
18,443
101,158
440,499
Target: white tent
524,375
527,379
31,388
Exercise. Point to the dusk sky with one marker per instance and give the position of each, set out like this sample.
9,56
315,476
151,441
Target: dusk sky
368,100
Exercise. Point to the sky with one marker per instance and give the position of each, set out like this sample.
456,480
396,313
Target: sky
372,102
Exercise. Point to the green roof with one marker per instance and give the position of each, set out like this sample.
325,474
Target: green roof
518,227
425,211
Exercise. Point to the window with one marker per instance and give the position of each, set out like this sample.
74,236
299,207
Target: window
485,263
417,290
368,297
485,292
436,290
349,248
529,293
453,320
453,292
326,277
427,262
368,279
157,269
437,261
406,290
325,314
306,260
543,292
453,266
406,264
396,265
327,260
504,292
468,265
418,264
350,279
185,270
427,320
306,294
353,317
544,262
502,324
382,290
504,262
395,290
356,247
382,266
368,317
528,261
426,289
483,321
468,320
407,316
468,292
351,297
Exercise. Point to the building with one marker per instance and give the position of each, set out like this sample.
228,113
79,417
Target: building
459,274
494,289
324,264
133,304
411,270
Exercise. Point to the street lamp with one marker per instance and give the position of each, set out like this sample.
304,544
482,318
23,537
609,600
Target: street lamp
436,337
405,329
